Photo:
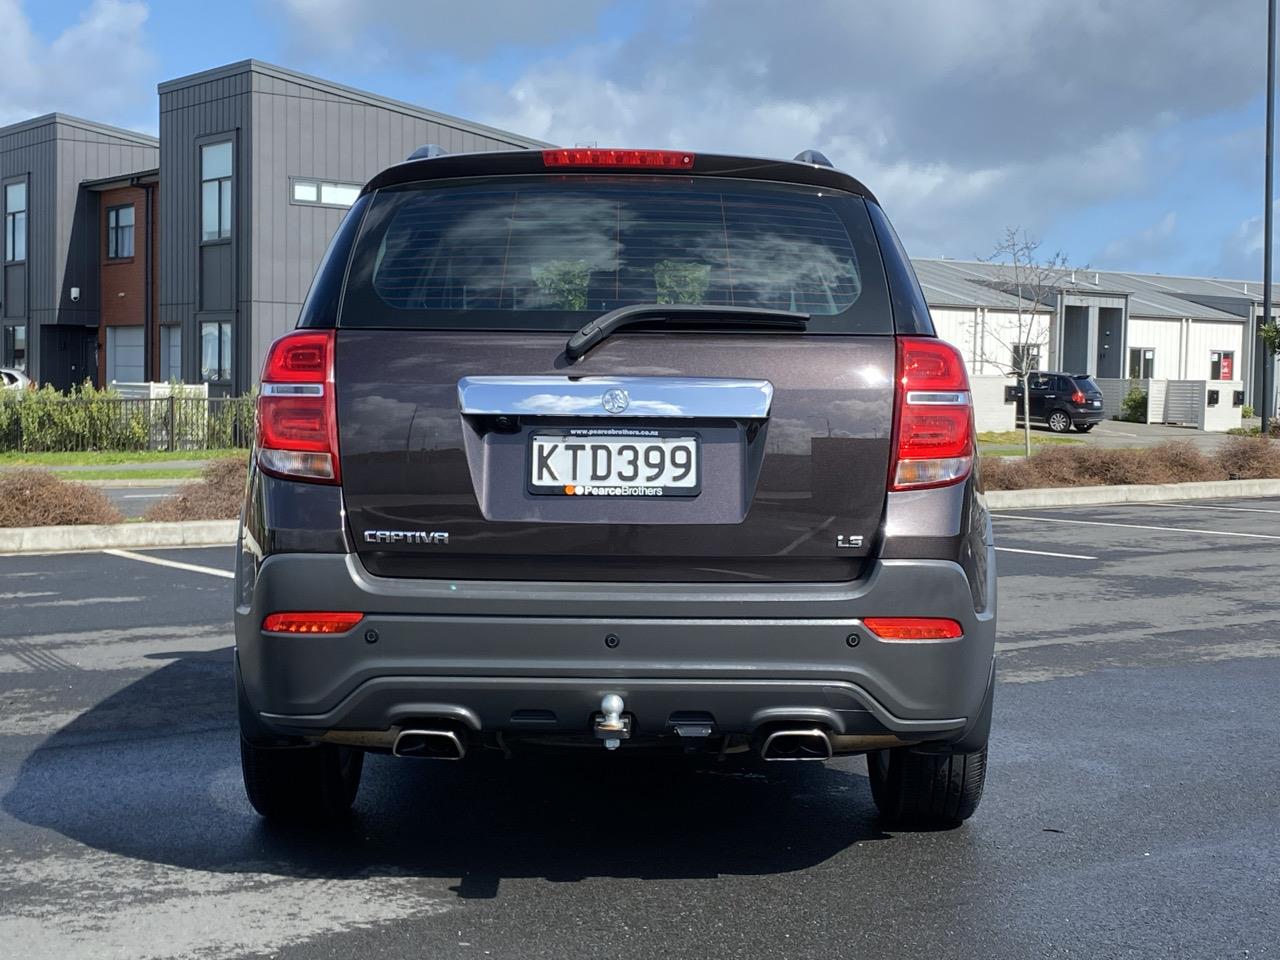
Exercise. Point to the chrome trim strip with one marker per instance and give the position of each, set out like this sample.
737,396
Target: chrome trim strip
646,396
293,389
949,398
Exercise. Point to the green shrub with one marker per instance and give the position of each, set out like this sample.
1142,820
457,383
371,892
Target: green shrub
85,418
1134,406
1247,412
90,419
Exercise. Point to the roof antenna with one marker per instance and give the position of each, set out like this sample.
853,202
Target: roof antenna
813,156
428,151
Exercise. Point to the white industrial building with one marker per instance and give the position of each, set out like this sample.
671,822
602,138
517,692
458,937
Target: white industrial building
1113,326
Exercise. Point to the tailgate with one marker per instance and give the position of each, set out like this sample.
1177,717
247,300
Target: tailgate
777,450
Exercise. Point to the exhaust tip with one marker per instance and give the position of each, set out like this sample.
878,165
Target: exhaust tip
429,745
809,743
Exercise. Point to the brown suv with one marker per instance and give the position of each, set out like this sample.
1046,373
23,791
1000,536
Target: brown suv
620,449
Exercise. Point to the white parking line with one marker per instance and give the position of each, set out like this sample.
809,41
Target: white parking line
1046,553
1214,506
143,496
175,564
1137,526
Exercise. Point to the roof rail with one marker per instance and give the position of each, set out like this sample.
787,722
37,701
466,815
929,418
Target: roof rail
427,151
814,156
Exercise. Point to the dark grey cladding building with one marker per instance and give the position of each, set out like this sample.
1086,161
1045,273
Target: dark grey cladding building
49,277
257,165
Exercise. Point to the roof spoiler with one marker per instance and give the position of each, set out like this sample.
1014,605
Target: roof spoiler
814,156
427,151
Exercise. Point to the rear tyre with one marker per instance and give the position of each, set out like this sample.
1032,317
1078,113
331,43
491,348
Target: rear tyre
1084,427
915,790
310,785
1059,422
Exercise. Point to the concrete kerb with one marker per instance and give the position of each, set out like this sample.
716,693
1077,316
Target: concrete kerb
188,533
1136,493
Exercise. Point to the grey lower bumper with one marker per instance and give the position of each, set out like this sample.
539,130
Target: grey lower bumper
537,657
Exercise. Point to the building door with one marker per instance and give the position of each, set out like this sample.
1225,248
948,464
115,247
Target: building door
68,355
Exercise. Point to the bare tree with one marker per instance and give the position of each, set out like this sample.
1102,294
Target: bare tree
1034,281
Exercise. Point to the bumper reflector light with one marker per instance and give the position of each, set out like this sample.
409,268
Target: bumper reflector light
913,628
310,622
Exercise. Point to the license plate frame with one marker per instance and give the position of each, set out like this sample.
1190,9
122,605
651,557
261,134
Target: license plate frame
616,436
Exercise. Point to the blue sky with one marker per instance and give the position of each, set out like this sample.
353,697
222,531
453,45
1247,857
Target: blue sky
1127,135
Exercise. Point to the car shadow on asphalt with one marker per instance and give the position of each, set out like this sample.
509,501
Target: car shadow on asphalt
152,772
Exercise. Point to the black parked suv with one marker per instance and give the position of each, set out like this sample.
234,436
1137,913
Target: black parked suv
621,450
1061,401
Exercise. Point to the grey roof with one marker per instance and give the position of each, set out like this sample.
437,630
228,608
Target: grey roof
122,179
947,287
968,283
351,93
67,120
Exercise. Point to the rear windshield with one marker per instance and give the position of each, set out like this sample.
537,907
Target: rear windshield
1086,384
550,253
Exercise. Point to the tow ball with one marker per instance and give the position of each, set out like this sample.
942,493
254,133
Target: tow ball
610,725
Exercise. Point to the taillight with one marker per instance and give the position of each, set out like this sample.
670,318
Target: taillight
312,621
297,416
913,628
933,435
1077,398
596,157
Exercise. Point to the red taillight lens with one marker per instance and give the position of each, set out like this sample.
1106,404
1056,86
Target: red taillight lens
913,628
297,417
311,622
933,443
1077,398
642,159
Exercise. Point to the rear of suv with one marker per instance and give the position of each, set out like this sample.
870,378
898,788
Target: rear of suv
1061,401
628,451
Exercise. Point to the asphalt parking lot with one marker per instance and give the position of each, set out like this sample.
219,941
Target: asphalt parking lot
1131,811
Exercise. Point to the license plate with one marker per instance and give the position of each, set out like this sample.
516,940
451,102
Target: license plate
621,464
1097,403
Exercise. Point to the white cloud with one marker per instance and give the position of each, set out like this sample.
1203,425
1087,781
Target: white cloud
963,118
1242,251
415,31
99,67
1145,249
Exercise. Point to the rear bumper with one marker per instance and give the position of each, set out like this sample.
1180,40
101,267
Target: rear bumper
535,658
1081,417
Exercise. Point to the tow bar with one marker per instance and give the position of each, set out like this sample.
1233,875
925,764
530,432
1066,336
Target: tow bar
610,725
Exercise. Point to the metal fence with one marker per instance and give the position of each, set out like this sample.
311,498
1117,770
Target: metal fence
38,421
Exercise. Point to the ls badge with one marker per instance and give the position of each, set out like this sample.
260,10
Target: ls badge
844,542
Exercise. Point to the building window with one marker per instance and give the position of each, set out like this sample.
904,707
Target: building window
171,352
124,355
1025,357
120,232
13,349
15,222
1142,363
215,191
323,193
1222,364
215,352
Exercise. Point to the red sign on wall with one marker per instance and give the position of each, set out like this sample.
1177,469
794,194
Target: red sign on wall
1228,360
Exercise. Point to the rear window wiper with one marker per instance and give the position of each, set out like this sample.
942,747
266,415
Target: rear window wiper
697,313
